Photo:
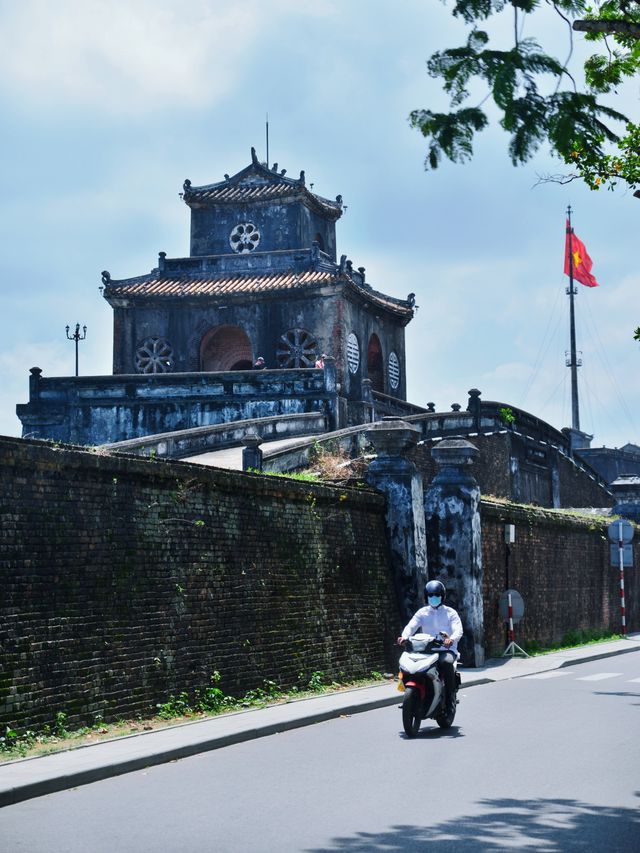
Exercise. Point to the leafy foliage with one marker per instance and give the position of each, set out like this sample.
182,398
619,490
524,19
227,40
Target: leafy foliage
525,84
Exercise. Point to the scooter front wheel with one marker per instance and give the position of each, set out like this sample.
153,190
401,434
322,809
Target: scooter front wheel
411,711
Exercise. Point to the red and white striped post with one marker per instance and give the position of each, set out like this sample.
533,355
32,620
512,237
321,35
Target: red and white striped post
512,636
621,553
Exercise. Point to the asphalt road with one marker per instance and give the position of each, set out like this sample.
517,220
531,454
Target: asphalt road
545,763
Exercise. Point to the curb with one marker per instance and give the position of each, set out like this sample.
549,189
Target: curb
599,656
64,781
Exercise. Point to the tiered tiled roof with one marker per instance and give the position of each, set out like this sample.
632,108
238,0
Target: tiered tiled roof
257,182
156,284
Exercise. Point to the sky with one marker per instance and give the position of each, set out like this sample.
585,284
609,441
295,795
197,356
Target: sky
107,106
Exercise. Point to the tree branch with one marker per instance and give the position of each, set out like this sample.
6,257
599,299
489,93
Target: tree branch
622,28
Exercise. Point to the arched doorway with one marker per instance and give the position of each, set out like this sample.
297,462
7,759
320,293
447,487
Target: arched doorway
226,348
375,364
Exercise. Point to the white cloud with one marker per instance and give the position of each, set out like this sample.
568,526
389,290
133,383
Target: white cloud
14,368
119,58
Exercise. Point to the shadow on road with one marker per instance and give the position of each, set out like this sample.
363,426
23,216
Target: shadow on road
551,826
618,693
431,732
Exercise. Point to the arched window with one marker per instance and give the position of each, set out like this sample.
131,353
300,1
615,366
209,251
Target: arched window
226,348
375,363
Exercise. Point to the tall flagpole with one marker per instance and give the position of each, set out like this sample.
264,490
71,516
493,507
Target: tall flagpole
573,362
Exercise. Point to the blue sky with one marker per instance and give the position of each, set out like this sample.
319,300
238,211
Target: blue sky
108,106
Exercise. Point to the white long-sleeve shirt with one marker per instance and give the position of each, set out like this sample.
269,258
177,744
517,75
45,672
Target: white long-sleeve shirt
431,620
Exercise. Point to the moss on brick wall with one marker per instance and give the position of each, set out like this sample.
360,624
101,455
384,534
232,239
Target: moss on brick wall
560,565
126,580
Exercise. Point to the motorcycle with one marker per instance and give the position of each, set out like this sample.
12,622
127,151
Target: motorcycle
423,686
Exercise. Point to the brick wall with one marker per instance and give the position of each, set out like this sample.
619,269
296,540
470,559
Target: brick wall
559,563
126,580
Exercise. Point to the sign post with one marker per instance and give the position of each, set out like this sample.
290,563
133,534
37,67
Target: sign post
621,531
511,608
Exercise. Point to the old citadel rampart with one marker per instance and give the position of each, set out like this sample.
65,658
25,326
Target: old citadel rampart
126,580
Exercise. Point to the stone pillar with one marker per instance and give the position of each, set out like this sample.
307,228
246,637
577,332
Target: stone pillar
331,389
452,514
401,483
251,454
34,384
368,411
626,491
474,407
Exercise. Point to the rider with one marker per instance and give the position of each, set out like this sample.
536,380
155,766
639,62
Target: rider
435,619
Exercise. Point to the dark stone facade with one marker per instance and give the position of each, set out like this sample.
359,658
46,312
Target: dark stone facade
107,409
262,279
522,458
613,462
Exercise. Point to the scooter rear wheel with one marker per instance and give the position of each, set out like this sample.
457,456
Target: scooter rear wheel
444,720
411,716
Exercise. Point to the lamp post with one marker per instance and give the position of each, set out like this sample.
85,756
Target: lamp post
76,336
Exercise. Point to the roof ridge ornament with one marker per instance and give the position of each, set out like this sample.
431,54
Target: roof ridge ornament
106,277
302,177
186,186
254,157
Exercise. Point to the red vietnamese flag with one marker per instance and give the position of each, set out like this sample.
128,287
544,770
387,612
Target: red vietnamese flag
582,263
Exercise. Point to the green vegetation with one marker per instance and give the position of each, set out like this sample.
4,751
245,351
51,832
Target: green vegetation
506,416
206,702
306,476
570,640
537,96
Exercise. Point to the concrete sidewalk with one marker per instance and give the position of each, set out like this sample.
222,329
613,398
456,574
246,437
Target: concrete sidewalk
34,777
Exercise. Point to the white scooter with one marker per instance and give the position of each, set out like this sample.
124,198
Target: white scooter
424,690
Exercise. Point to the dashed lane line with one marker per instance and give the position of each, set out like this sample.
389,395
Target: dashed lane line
599,676
552,674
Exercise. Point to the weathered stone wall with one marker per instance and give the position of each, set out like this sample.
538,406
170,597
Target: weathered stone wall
105,409
525,470
126,580
560,565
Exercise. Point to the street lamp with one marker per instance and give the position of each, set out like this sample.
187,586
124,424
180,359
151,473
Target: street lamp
76,336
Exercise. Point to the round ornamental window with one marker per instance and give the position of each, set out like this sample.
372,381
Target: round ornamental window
154,355
297,348
353,353
394,371
244,238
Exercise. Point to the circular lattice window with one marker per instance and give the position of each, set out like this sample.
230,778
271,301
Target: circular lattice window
394,371
353,353
297,348
154,355
244,238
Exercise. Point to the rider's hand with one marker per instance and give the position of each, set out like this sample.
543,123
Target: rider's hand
447,642
400,641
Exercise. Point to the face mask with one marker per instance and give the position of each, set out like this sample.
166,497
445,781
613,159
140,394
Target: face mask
435,600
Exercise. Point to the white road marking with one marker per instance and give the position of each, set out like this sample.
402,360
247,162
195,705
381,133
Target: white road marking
553,674
633,681
599,676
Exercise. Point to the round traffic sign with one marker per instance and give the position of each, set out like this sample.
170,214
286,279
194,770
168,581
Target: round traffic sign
517,605
620,531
